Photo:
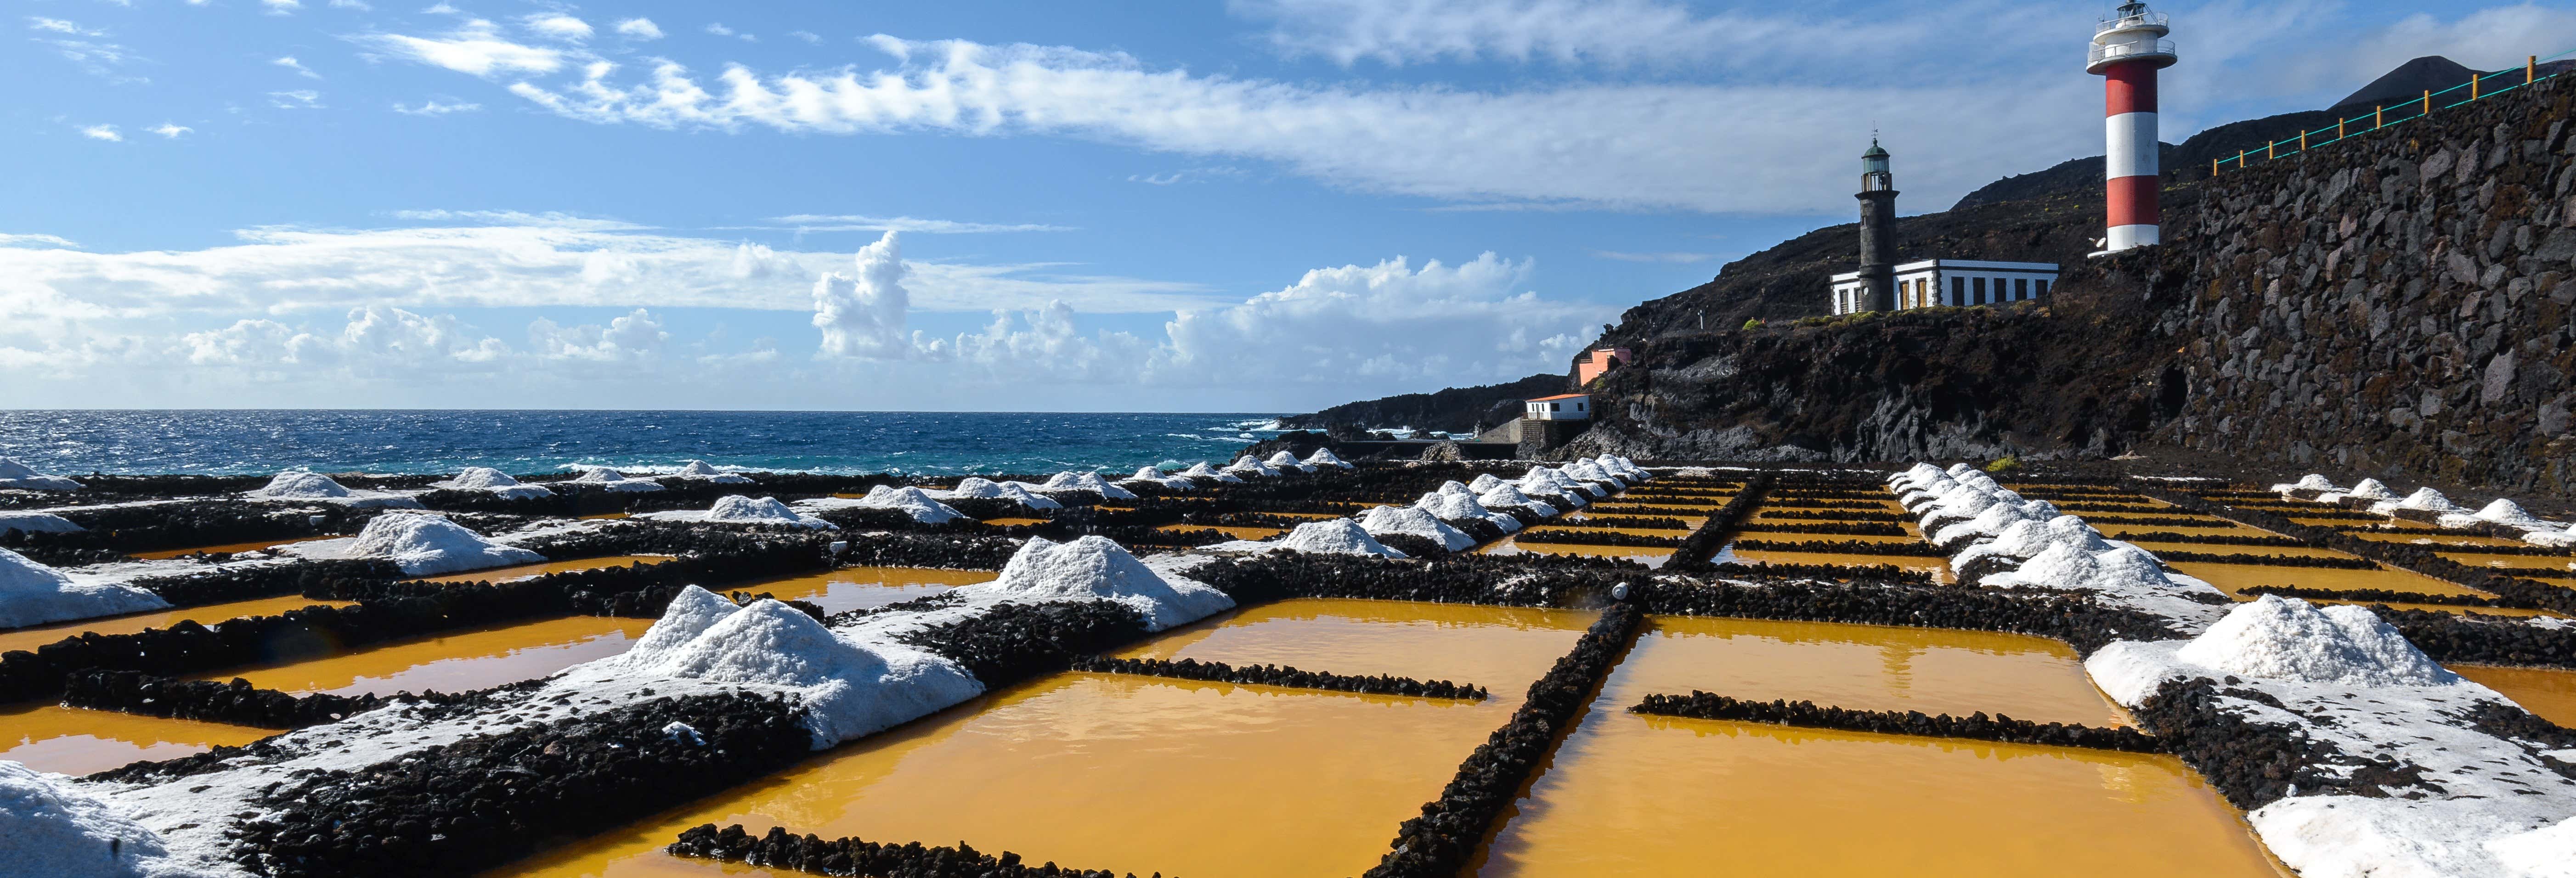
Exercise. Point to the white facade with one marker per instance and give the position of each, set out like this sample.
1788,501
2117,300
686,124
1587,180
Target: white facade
1569,407
1957,283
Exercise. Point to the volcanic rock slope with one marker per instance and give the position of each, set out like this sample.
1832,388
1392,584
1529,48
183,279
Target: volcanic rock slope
2395,304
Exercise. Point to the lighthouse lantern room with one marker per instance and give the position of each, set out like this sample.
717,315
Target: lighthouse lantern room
2128,48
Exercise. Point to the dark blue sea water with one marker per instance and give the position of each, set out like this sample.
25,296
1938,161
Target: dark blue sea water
240,442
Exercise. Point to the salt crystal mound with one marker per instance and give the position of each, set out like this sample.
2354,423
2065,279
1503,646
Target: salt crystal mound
614,480
1959,469
2344,645
2547,852
1284,460
1592,472
51,828
301,485
423,544
704,471
738,509
977,488
1201,470
1503,495
1915,475
2124,573
2423,500
1994,520
1094,568
493,481
1616,467
2309,482
1485,482
34,594
2371,489
2511,514
1087,481
1384,520
37,523
1462,506
1324,457
25,478
911,501
1156,476
1964,502
1246,464
2029,538
847,690
1340,536
1541,480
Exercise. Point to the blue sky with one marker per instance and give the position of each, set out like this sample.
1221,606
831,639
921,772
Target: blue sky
1257,205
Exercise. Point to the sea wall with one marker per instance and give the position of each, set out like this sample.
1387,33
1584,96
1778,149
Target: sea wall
2395,305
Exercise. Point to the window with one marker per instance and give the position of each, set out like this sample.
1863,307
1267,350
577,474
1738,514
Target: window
1553,406
1980,286
1959,291
2021,288
1578,406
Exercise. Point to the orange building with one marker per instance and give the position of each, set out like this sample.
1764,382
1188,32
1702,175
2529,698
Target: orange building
1599,361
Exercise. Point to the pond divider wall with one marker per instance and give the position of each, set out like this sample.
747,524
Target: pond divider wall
1280,675
1805,714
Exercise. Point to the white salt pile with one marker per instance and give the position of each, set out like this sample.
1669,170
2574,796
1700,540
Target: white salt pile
1504,495
1286,461
2062,552
2026,539
977,488
1323,457
1453,502
849,690
1588,471
1995,520
2309,482
36,523
1385,520
1087,480
2502,511
420,543
2547,852
50,828
25,478
498,483
738,509
2366,489
1338,536
1094,568
707,472
1246,465
1622,467
2423,500
612,480
1201,470
1154,475
316,487
1542,480
1485,482
912,501
2287,639
34,594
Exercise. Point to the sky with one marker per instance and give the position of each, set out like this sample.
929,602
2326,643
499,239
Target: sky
1258,205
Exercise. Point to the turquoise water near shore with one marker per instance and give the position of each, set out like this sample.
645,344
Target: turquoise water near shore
234,442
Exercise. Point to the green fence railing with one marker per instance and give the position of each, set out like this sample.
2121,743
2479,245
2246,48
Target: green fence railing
2479,87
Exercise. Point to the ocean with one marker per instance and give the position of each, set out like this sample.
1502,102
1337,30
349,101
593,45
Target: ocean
238,442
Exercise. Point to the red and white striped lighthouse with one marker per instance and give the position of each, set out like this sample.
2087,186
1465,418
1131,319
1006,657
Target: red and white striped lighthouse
2128,48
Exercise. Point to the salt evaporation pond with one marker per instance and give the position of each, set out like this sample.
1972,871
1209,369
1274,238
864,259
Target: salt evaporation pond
70,740
459,662
1147,774
1937,566
2549,693
860,588
230,548
1635,795
30,638
516,572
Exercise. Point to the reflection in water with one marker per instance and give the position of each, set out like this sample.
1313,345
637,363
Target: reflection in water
518,572
1635,795
30,638
1126,773
2547,692
69,740
457,662
859,588
229,548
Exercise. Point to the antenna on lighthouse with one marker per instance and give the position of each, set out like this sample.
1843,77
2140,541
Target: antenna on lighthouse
2128,48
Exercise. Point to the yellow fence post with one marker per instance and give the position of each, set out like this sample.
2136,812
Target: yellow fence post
2272,150
2213,167
2378,117
2339,129
2473,86
2303,141
2240,158
2428,102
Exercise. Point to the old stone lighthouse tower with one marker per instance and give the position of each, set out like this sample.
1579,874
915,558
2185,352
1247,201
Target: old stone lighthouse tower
1877,231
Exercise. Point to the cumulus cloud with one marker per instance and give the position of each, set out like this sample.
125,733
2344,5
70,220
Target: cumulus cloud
639,28
475,49
559,26
863,315
374,338
102,132
637,336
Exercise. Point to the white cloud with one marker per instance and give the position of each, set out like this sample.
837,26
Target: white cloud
290,63
172,130
442,9
96,58
1668,257
375,338
435,108
1616,32
298,99
9,240
639,28
56,25
476,49
807,222
863,315
102,132
559,26
281,7
2487,39
359,5
637,336
809,37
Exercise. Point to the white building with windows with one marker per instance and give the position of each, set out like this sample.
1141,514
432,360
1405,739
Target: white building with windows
1956,283
1568,407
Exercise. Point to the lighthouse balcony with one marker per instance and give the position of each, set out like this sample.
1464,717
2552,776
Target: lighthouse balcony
2157,52
2156,21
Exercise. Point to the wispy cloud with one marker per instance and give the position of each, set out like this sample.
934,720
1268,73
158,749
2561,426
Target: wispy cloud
476,49
639,28
806,222
102,132
9,240
1674,258
1191,175
290,63
298,99
559,26
435,108
172,130
56,25
717,28
281,7
809,37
